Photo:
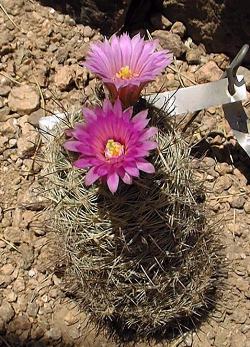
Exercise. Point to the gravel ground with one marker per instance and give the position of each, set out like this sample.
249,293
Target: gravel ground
40,51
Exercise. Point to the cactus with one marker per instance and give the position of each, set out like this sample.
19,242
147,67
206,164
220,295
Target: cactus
144,262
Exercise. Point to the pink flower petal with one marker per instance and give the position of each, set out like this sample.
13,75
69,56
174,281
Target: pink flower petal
140,116
98,61
91,177
137,49
88,114
125,176
82,163
148,145
79,133
140,120
149,133
116,53
108,57
113,181
117,108
110,122
128,113
132,171
68,132
102,170
137,153
107,106
125,46
145,166
72,146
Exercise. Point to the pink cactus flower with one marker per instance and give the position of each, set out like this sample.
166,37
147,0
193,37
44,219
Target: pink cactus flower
113,144
126,65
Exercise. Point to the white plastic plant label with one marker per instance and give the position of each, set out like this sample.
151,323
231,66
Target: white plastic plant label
198,97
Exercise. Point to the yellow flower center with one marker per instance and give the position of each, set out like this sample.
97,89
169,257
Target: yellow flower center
125,73
113,149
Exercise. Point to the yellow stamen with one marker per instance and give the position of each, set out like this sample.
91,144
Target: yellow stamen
113,149
125,73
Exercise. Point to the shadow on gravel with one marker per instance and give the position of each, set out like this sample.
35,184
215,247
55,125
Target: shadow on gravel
221,25
59,5
109,16
230,27
11,340
232,155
